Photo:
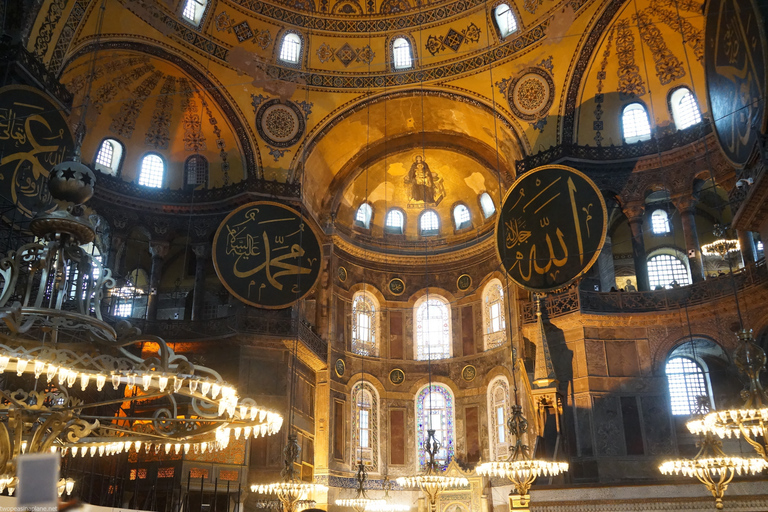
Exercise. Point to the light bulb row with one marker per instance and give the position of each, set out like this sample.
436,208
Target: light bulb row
294,488
714,466
65,485
729,423
522,468
438,480
361,503
8,482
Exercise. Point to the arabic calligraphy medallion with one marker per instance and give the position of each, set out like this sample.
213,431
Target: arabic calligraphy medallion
267,255
34,137
551,227
735,69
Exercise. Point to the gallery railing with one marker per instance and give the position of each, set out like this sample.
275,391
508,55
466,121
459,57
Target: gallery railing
653,301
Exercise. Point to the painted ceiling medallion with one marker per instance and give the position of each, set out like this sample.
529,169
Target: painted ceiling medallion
280,124
531,94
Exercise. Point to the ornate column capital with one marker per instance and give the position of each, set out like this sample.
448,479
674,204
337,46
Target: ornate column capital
685,203
159,248
634,211
201,249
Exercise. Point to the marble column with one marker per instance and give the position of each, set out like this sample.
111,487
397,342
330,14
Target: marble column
605,266
158,250
687,208
634,215
747,245
201,251
116,253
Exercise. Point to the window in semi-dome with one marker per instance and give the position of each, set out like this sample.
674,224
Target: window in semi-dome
687,382
660,222
685,109
635,124
433,329
363,215
193,10
401,53
667,271
498,411
290,49
152,171
365,425
429,223
196,171
434,410
461,217
395,221
486,203
493,315
364,325
109,156
505,19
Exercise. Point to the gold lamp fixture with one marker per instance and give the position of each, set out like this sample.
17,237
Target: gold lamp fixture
721,247
520,468
361,502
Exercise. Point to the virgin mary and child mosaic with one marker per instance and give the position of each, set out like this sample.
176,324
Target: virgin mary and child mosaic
424,186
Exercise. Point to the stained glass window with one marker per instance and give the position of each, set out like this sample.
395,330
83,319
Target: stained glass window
493,315
434,410
686,384
433,329
365,425
364,325
498,408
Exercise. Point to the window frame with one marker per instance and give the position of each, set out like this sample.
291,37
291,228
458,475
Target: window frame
493,339
673,110
673,253
203,12
393,230
707,385
366,225
186,170
431,232
141,170
499,449
495,20
279,48
467,224
449,417
117,146
666,220
374,327
411,48
447,348
486,215
635,138
372,462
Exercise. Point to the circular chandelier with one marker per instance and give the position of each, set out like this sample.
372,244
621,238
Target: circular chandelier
520,468
720,247
432,482
74,383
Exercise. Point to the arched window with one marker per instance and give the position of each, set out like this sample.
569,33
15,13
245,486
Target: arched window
196,171
364,325
152,171
434,410
402,58
109,157
494,326
461,217
486,203
505,20
290,49
429,223
193,10
665,269
395,221
365,426
363,215
685,109
660,222
498,413
635,124
686,383
433,328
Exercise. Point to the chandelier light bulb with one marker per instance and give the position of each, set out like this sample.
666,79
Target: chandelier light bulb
4,360
167,448
101,379
115,380
238,431
71,379
75,449
63,374
70,486
39,368
246,432
177,383
50,371
193,386
215,390
92,451
21,366
23,447
187,446
146,379
206,387
84,378
101,450
177,448
163,382
132,380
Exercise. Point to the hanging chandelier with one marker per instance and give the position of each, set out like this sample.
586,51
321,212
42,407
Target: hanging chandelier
433,481
57,356
751,419
291,491
520,468
361,502
720,247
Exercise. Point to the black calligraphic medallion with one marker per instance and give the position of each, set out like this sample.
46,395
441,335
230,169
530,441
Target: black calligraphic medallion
735,70
551,227
34,137
267,255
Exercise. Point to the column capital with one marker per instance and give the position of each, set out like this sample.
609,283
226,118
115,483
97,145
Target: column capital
634,211
159,248
685,203
201,249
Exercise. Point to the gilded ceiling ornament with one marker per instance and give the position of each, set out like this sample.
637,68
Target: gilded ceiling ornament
325,53
453,39
631,84
668,67
263,39
531,94
125,121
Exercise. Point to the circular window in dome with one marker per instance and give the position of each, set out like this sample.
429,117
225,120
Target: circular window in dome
280,124
531,95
